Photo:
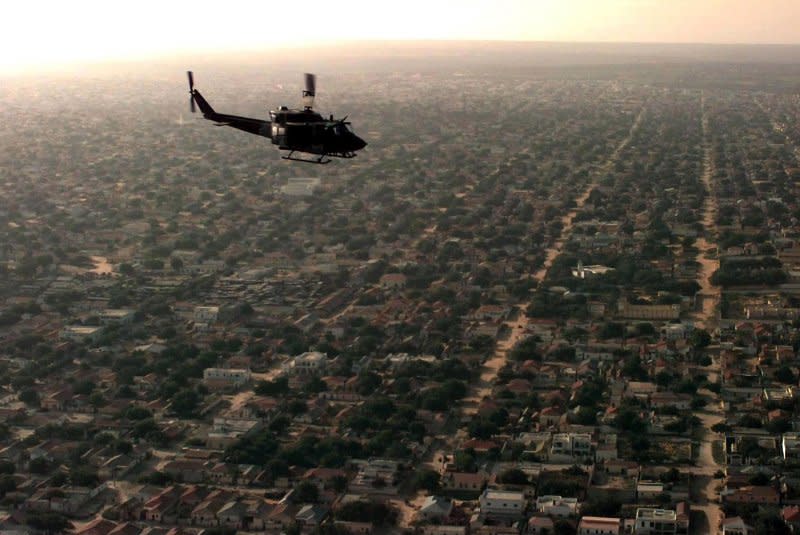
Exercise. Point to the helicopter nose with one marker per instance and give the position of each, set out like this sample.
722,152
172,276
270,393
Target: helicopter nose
358,143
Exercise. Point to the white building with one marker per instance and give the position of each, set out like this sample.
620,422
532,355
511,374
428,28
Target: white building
206,314
226,377
117,316
655,522
502,503
79,333
309,363
599,525
557,506
585,272
572,445
736,526
790,446
300,187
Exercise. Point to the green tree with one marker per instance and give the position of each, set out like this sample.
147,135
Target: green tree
699,338
306,492
426,479
29,396
49,523
513,476
185,403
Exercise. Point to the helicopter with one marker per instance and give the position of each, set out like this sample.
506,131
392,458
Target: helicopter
297,131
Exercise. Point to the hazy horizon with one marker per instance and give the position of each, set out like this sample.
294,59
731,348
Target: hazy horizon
90,31
386,55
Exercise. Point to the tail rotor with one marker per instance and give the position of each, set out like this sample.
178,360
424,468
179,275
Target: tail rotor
191,90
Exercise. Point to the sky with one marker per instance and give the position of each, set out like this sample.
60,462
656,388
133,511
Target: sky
45,33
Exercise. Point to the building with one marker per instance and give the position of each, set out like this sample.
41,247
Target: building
736,526
206,314
571,445
309,363
79,333
655,522
435,508
225,377
226,431
648,312
599,525
114,316
585,272
648,491
300,186
502,503
761,494
790,446
376,476
557,506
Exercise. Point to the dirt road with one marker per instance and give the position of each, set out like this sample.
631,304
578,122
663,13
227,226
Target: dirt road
706,316
518,326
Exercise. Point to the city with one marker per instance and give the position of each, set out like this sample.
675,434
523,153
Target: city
540,301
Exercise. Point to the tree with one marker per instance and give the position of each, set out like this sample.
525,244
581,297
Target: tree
7,484
380,514
7,467
699,338
306,492
176,263
629,420
39,466
513,476
721,427
271,388
785,375
29,396
480,428
185,403
426,479
50,523
525,350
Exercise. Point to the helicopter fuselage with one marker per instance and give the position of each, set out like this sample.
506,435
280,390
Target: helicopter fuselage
307,131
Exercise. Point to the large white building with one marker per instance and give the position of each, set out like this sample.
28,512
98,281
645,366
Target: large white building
309,363
502,503
655,522
573,445
79,333
226,377
300,186
557,506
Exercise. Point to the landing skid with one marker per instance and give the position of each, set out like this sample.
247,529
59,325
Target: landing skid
323,159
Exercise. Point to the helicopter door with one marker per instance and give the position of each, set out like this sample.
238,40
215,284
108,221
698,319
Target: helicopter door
318,139
278,135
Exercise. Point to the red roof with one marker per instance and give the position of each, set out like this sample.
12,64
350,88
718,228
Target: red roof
791,513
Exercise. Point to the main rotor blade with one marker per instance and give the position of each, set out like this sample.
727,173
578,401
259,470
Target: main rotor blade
191,103
311,84
191,80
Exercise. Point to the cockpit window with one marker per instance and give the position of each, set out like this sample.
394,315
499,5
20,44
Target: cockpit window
341,129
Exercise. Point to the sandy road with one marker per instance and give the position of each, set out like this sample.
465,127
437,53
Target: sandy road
710,295
707,512
518,325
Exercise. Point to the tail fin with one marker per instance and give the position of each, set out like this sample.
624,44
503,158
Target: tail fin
205,107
